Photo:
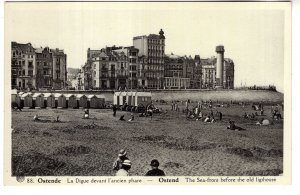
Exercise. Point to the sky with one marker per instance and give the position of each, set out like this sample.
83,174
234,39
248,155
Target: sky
254,35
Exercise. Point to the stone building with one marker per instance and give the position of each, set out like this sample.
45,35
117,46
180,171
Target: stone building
34,68
59,70
146,66
23,66
44,63
197,73
51,68
152,47
209,67
208,73
228,74
175,76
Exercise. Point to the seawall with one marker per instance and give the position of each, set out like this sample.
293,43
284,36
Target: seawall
198,95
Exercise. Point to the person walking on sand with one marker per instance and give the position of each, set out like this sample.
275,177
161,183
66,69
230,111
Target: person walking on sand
124,170
114,110
121,158
155,171
220,116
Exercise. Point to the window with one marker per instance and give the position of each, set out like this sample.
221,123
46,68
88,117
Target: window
23,72
30,72
45,63
30,64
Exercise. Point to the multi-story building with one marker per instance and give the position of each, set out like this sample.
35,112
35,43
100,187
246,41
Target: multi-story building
145,65
23,66
130,57
44,63
175,72
153,48
208,73
38,67
228,74
197,72
59,68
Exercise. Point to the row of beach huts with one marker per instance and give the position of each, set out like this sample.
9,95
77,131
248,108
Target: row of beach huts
56,100
59,100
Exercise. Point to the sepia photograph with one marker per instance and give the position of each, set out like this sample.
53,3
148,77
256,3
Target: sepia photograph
165,89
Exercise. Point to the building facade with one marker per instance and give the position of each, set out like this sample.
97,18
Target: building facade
59,70
153,48
23,66
228,73
209,73
175,74
34,68
146,66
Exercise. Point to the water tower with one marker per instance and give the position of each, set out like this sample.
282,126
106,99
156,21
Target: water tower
219,66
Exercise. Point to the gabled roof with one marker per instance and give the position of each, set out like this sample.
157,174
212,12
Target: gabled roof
154,36
37,95
69,95
26,94
103,55
39,50
27,47
47,95
56,95
117,93
80,95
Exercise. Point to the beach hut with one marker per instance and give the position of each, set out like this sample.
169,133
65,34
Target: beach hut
49,100
116,99
38,100
96,101
20,93
130,98
101,99
26,100
18,101
14,94
143,98
71,101
60,100
82,101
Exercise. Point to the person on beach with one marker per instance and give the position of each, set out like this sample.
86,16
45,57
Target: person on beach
220,115
114,110
122,156
155,171
132,118
232,126
86,114
122,118
124,170
36,118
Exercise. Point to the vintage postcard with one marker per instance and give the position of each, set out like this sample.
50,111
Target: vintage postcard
168,93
